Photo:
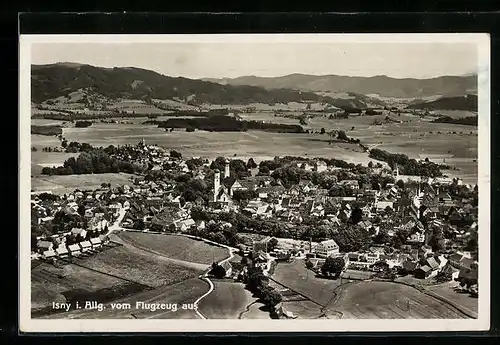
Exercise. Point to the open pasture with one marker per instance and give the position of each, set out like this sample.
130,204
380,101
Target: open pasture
185,292
447,290
177,247
60,184
385,300
414,137
296,277
48,283
229,300
137,267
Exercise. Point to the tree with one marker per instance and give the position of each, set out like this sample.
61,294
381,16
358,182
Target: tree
81,210
322,130
218,271
342,136
370,164
333,266
400,184
264,170
272,298
175,154
271,245
356,215
251,164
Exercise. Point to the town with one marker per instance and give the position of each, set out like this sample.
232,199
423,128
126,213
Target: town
340,220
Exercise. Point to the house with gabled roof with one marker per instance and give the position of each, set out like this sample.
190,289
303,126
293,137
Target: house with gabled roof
85,246
74,249
62,251
95,242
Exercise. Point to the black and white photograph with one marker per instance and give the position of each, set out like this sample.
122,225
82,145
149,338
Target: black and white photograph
273,182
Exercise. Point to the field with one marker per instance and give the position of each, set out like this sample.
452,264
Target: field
296,277
138,267
418,138
385,300
49,283
176,247
229,300
312,297
60,184
461,298
185,292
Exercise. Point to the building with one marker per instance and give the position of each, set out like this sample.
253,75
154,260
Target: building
228,269
86,246
62,251
320,166
48,254
74,249
75,232
326,248
95,242
44,246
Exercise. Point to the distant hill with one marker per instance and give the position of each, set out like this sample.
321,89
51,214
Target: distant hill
468,102
52,81
381,85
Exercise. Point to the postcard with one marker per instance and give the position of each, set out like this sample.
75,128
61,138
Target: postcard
270,182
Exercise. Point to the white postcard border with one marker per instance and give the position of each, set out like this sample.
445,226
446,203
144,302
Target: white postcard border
27,324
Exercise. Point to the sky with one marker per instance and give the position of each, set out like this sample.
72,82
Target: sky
270,59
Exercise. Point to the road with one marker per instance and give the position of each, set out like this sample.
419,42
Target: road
211,285
116,225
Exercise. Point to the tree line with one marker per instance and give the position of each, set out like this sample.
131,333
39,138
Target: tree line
466,121
222,123
406,165
95,161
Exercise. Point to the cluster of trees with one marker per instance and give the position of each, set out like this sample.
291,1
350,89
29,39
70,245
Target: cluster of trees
222,123
74,147
46,130
95,161
83,124
333,267
219,233
258,283
352,238
406,165
466,121
237,167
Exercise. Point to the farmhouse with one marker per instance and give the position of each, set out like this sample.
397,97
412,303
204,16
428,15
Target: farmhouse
49,254
62,251
96,242
423,272
326,248
44,245
74,249
78,232
450,272
86,246
228,269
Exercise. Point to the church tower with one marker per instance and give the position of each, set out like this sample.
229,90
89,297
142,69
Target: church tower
226,169
216,184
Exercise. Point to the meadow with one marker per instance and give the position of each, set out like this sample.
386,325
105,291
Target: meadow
61,184
229,300
418,138
186,291
385,300
49,283
176,247
137,267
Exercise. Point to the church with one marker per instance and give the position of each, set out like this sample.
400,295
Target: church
224,189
